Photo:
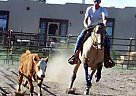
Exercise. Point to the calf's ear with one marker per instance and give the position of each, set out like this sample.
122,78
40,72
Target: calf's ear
35,59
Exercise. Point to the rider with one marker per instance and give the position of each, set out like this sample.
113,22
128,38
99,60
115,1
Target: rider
94,14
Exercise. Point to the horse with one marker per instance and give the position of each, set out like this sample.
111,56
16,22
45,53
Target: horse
33,67
91,56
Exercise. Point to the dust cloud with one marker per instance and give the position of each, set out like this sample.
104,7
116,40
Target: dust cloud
60,71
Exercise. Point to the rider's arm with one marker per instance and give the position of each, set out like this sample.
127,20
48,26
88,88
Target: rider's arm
87,17
104,19
104,16
85,22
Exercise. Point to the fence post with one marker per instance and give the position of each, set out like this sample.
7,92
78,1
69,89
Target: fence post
129,51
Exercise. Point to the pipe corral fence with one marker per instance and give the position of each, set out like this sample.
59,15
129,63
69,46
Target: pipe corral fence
13,44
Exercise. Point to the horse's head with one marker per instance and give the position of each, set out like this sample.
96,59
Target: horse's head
99,34
100,28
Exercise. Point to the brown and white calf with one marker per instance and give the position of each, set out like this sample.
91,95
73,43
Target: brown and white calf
32,67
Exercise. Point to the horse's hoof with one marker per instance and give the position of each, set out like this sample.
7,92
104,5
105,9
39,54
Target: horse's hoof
86,92
97,78
71,91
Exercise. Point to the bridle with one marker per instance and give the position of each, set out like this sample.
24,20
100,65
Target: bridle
95,38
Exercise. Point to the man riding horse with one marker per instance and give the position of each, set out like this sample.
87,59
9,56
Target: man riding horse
94,15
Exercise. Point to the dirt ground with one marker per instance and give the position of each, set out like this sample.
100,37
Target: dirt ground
114,81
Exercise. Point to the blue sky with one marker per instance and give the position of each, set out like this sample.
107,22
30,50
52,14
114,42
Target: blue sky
105,3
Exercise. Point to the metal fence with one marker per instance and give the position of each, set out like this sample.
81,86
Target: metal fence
14,43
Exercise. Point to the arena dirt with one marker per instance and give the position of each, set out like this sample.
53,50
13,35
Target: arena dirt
114,81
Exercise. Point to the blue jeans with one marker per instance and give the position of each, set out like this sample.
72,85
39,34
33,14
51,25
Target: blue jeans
107,42
80,39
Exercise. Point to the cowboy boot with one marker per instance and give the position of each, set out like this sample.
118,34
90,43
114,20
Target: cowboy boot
108,62
74,59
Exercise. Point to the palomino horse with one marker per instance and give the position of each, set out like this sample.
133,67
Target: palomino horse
92,55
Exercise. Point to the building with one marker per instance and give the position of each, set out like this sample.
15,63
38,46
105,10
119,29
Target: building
56,19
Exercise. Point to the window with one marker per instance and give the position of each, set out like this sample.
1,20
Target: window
110,27
42,30
3,22
4,16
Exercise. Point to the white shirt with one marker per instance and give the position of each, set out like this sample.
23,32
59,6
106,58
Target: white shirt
95,16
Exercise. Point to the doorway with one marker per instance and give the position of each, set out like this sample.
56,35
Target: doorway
52,29
52,32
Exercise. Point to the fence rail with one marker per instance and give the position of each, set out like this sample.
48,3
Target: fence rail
14,43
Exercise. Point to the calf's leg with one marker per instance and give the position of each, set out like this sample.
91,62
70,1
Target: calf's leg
39,87
31,87
20,79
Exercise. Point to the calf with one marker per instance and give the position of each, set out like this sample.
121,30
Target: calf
32,67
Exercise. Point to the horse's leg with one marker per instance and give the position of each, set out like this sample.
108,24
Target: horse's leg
88,79
31,87
20,79
74,75
70,90
39,87
98,74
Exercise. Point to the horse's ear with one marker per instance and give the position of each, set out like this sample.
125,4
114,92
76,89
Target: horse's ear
96,28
